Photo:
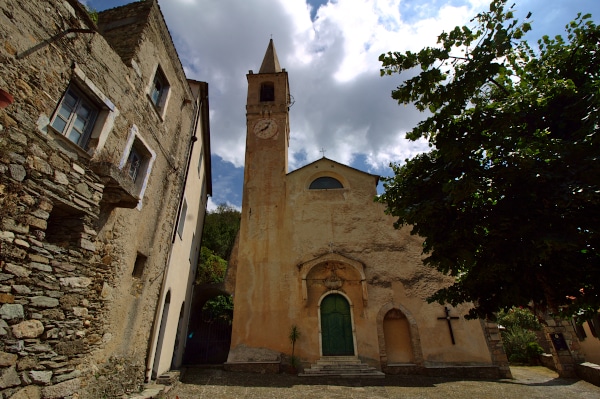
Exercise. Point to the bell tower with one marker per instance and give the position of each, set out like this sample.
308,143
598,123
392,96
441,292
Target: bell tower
267,132
259,269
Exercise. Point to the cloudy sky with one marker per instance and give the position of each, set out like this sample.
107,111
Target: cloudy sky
330,50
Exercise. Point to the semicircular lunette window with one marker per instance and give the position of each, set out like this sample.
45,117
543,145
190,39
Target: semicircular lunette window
325,183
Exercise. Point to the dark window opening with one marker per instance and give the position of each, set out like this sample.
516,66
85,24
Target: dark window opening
65,226
134,162
325,183
267,92
159,89
139,266
137,161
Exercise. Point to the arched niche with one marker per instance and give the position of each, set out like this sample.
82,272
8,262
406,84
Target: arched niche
332,257
395,309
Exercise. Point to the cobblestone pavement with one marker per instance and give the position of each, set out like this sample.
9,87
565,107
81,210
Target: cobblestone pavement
527,382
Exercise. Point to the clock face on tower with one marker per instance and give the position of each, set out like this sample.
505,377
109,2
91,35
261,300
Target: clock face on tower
265,128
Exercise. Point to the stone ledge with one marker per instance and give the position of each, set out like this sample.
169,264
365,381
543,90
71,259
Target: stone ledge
119,190
547,361
267,367
466,371
589,372
401,369
484,372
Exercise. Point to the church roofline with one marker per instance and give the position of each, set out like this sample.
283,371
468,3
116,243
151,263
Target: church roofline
377,177
270,62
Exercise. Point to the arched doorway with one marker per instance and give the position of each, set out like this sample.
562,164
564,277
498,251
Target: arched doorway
396,332
336,326
161,334
209,329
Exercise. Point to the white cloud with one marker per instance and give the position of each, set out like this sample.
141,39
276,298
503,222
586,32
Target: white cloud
342,104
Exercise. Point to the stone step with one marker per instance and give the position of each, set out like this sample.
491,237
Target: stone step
369,374
338,371
341,366
355,362
338,360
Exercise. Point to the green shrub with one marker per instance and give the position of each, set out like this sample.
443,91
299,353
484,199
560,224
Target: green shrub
515,340
533,351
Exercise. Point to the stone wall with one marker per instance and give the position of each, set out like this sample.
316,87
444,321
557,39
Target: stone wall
51,284
74,227
494,340
565,358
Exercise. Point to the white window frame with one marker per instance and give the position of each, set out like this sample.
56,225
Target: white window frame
159,98
136,141
104,121
76,126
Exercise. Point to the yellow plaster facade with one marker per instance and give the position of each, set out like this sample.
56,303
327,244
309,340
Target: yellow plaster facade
299,244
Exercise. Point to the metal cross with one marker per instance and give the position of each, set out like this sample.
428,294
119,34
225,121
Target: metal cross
448,318
323,151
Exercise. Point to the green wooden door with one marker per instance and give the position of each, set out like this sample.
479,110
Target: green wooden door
336,326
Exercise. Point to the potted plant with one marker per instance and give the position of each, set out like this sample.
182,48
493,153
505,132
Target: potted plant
293,336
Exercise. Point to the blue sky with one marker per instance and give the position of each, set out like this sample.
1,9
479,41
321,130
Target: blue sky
330,50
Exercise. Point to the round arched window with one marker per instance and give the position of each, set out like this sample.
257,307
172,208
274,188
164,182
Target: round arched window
325,183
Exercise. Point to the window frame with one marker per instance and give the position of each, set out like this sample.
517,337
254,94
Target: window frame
81,101
104,121
159,97
181,221
136,143
322,179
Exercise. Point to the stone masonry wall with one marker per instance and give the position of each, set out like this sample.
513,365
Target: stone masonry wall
51,290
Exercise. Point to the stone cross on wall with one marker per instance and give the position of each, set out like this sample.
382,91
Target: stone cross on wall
448,318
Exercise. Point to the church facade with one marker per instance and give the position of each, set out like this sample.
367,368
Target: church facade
316,252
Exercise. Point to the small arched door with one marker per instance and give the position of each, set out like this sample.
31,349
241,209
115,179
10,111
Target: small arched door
396,332
336,326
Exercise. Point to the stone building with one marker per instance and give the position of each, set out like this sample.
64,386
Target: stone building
317,252
104,176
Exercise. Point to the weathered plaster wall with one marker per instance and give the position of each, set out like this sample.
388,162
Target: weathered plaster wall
590,345
357,228
312,231
70,305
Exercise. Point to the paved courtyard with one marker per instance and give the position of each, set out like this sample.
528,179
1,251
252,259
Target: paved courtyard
528,382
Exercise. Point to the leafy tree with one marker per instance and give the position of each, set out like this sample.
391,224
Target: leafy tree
211,269
218,308
220,229
518,317
508,197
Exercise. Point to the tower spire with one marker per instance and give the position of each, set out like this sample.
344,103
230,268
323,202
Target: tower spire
270,63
